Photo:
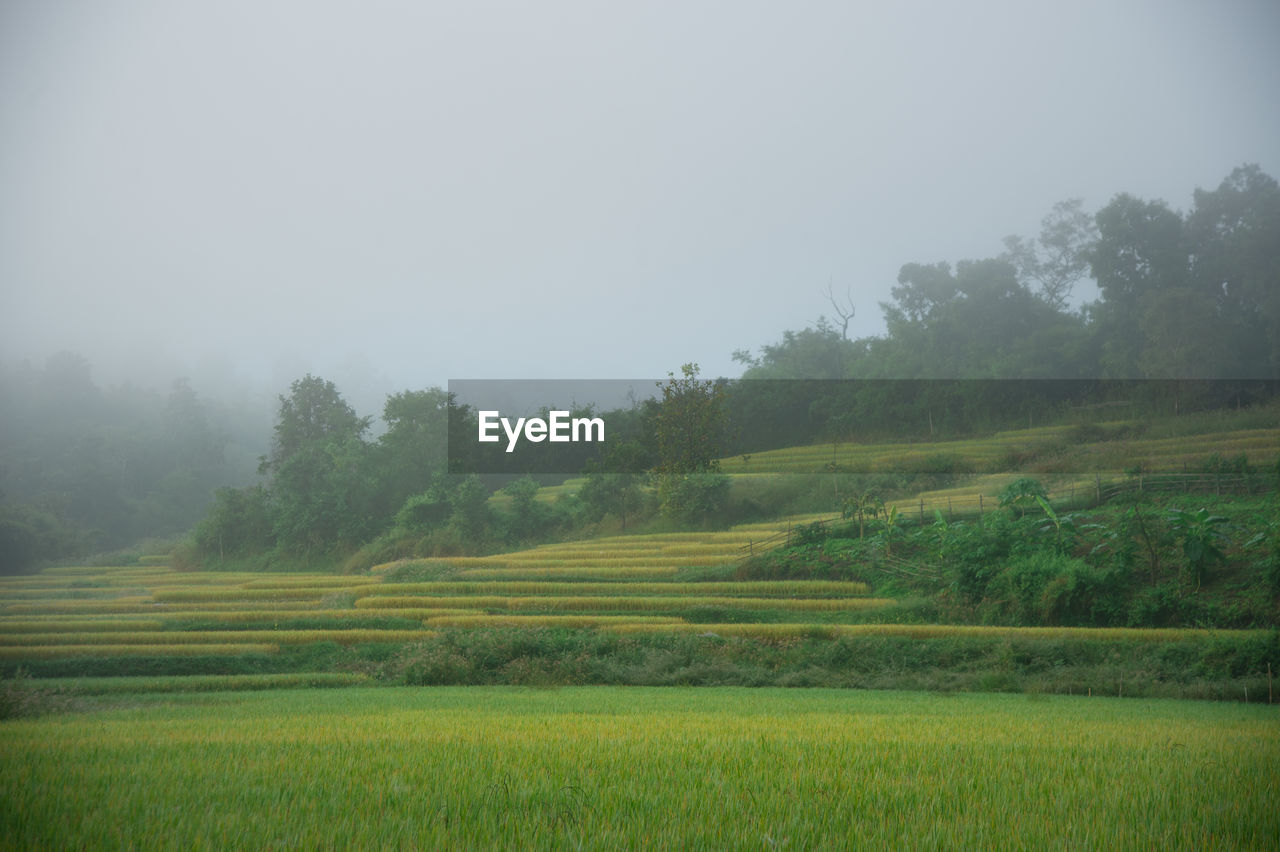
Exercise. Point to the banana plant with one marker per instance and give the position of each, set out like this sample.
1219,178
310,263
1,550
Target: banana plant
890,526
1203,535
1059,524
862,507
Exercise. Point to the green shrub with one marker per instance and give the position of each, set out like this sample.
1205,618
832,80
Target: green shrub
1020,495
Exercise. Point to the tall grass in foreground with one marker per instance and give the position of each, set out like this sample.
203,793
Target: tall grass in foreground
643,769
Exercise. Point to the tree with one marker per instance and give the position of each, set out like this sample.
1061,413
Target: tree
1203,538
615,487
861,506
318,470
844,310
922,291
696,499
522,492
1021,494
1182,336
820,352
1140,251
1234,236
471,510
689,436
422,513
239,523
413,449
1060,257
689,424
978,322
314,413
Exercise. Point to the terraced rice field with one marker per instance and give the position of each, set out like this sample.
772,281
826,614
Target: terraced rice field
622,557
155,611
1055,445
626,584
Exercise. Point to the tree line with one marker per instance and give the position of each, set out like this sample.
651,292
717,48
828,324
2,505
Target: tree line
1192,296
1179,296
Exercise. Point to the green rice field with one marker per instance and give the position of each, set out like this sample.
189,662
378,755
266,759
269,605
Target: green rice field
637,768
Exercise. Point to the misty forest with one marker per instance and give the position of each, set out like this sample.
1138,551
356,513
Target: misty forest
89,472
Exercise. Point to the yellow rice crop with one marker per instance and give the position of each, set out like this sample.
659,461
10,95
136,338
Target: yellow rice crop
934,631
571,621
248,616
608,563
746,588
283,607
1158,453
73,625
596,547
324,582
712,549
67,594
135,604
612,547
45,652
235,593
566,572
758,631
149,608
71,570
631,603
203,637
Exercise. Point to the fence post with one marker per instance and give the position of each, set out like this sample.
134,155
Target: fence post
950,511
979,505
921,511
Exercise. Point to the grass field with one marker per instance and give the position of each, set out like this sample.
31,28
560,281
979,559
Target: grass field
605,768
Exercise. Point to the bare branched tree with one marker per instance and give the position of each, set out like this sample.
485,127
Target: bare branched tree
844,309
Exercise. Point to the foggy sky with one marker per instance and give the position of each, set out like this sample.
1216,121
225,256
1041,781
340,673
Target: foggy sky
397,194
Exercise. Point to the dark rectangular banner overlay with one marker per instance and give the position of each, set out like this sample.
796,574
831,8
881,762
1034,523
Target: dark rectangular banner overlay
570,427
